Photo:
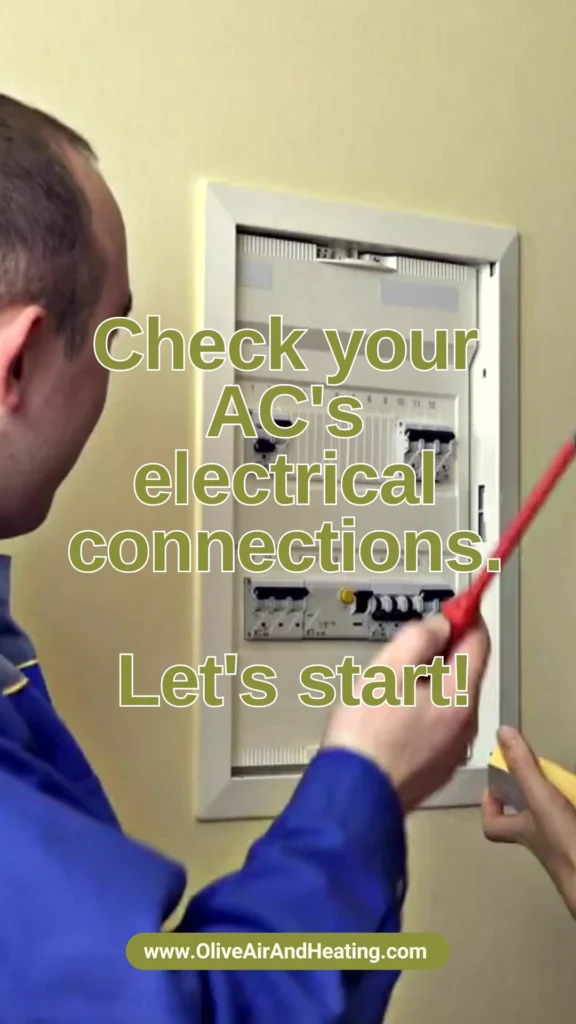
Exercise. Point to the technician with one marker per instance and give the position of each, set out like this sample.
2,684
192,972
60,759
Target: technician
73,888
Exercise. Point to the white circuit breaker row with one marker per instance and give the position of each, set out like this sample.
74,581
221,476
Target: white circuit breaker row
322,610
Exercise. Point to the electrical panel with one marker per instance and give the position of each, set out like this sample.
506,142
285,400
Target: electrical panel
288,620
316,560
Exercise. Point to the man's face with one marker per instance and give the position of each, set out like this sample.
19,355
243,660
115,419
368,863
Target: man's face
60,398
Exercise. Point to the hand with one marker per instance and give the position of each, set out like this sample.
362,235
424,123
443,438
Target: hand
419,747
547,828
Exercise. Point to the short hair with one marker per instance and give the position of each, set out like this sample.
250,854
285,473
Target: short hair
49,254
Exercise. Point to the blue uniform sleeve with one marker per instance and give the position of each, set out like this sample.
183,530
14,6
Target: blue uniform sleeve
75,890
334,861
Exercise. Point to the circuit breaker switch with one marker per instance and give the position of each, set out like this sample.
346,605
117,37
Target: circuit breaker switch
364,600
403,603
265,446
415,438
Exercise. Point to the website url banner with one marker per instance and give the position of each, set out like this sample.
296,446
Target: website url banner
287,951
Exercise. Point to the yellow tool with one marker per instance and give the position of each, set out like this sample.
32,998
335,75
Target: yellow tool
503,785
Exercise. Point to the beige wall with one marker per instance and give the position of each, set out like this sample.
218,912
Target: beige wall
449,108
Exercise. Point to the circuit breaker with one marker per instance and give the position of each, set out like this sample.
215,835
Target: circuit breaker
415,438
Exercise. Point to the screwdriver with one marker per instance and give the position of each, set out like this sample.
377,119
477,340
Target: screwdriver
463,610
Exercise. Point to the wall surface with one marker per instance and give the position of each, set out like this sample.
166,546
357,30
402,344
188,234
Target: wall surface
450,108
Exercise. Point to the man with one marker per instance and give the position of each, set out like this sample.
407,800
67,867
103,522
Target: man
73,888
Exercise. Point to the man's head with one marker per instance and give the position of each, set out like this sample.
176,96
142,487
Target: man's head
63,269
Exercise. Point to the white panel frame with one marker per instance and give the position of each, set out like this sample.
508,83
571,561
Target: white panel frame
226,209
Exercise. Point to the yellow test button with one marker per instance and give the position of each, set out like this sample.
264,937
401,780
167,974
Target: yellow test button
347,596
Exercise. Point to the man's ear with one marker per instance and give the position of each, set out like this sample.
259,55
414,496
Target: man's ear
19,328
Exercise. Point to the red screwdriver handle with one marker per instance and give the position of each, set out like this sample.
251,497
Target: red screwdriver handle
462,613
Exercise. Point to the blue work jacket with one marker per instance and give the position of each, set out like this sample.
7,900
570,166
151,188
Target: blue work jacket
74,888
